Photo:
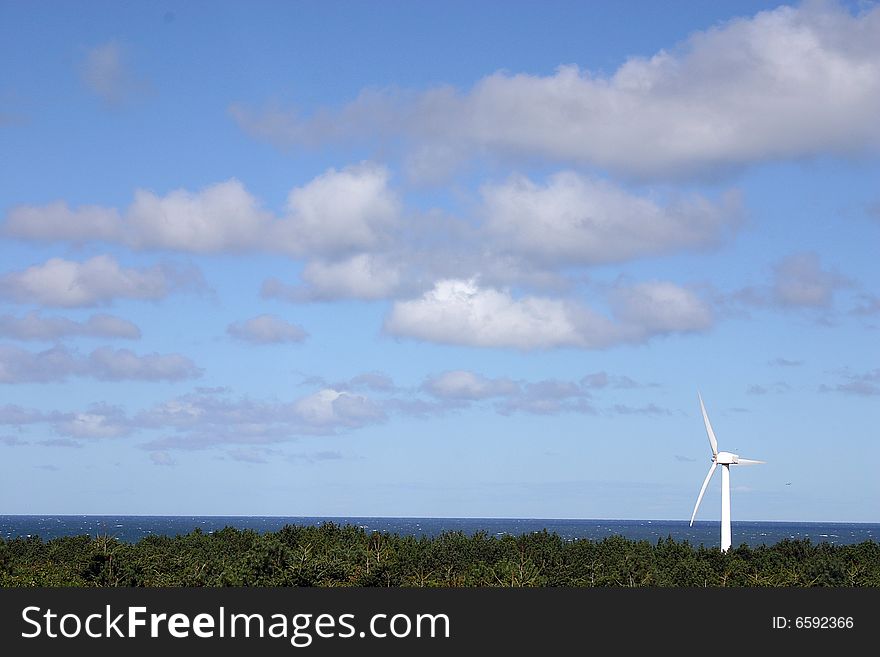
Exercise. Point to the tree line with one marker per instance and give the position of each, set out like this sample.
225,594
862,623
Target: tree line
346,555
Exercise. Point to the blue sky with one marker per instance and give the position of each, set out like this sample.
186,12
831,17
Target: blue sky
439,259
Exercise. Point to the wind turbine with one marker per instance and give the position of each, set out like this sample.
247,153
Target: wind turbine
725,459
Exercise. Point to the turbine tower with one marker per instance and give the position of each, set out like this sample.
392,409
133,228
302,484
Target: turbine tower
725,459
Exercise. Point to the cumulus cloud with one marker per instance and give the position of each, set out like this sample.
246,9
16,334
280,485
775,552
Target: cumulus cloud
602,379
106,364
161,458
249,455
220,217
864,384
99,421
363,276
266,329
123,364
204,421
335,214
549,397
315,457
16,415
466,385
373,381
34,326
21,366
106,73
791,82
58,442
658,307
339,212
868,304
777,387
582,220
97,281
647,409
455,389
330,407
212,418
785,362
57,222
800,281
461,312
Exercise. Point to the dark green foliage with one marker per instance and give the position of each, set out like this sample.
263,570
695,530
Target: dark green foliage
334,555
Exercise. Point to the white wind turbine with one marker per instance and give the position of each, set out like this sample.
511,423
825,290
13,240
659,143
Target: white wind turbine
725,459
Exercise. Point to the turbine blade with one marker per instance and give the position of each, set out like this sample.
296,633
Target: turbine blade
748,462
703,490
713,443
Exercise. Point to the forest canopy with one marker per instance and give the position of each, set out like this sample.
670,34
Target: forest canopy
330,555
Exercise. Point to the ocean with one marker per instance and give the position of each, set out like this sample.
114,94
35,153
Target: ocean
133,528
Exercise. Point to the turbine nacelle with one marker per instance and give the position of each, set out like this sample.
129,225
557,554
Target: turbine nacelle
726,458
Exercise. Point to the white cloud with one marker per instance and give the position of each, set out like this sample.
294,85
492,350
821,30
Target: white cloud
105,73
796,282
13,414
209,418
549,397
97,281
251,455
865,384
598,380
203,421
330,407
584,220
373,381
122,364
658,307
459,388
647,409
362,276
34,326
21,366
57,442
466,385
868,304
785,362
267,329
57,222
161,458
786,83
800,280
59,363
220,217
339,212
376,381
99,421
461,312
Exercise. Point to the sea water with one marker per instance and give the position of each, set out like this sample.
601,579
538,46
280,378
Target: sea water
752,533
